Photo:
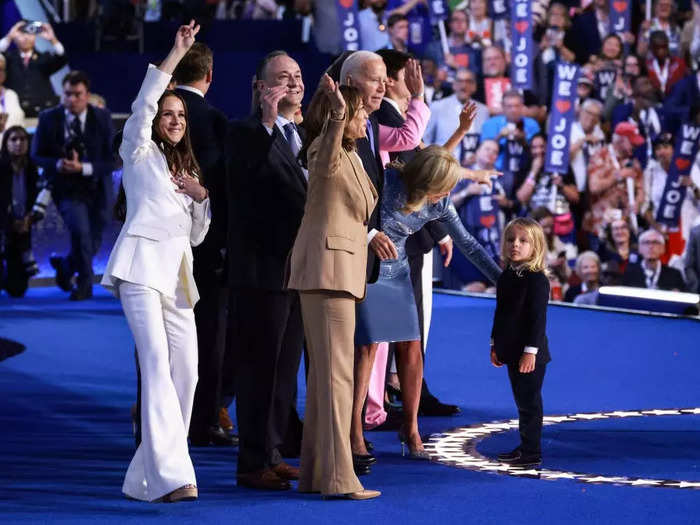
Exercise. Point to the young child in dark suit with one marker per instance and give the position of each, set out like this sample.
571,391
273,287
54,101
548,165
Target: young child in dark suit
518,337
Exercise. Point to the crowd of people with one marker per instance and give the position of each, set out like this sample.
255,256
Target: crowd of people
311,230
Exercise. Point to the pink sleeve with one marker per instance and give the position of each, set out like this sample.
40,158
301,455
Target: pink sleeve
410,134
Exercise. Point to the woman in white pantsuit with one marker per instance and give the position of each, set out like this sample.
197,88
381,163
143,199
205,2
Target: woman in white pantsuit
150,270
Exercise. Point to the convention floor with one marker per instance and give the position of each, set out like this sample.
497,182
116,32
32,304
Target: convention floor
65,438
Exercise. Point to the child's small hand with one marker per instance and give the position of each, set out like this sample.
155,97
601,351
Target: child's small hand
494,359
527,363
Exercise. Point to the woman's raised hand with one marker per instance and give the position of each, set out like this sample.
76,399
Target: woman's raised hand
332,91
467,116
184,38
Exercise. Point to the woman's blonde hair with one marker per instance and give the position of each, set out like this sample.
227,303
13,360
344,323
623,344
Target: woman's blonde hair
431,171
536,262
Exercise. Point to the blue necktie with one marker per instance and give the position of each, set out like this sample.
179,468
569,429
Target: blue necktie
370,136
290,135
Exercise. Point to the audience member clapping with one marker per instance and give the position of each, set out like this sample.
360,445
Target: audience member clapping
554,191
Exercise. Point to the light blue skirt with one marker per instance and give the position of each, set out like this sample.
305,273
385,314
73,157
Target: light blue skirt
388,313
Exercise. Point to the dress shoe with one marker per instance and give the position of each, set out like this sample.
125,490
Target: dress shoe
507,457
364,459
413,453
213,436
81,293
225,419
526,461
361,469
186,493
63,276
286,471
264,479
432,407
356,496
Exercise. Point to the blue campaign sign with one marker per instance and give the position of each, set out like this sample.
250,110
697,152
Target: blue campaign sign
522,54
498,9
349,26
561,116
620,16
669,211
438,10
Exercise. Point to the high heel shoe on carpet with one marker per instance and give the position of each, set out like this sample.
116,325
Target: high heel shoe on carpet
186,493
356,496
413,453
364,459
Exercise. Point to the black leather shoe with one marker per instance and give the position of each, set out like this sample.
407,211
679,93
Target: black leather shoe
526,461
361,470
432,407
81,293
510,456
63,276
214,436
363,459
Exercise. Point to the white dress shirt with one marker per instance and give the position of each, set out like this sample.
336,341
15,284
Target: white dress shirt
70,117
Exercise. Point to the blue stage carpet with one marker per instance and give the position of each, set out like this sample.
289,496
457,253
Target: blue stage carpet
65,438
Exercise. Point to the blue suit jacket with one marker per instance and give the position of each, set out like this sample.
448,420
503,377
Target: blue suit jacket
48,147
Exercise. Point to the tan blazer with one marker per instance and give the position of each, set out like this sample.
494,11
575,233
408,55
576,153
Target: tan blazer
330,251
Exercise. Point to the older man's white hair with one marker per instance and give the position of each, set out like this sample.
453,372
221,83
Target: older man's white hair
652,232
591,103
355,63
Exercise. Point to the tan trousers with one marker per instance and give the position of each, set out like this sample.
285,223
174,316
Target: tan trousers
326,458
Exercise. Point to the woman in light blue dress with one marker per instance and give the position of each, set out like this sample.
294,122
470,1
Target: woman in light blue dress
413,195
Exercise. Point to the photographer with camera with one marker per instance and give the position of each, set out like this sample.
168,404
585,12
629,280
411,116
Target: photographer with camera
28,70
73,144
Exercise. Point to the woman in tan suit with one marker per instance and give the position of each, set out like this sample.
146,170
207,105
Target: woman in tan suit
328,264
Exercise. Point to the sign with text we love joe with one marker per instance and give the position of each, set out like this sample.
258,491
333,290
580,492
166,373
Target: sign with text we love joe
349,26
669,211
620,16
522,55
561,115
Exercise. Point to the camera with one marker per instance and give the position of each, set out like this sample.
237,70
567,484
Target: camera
74,144
32,28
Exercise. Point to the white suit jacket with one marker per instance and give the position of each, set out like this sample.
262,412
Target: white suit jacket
154,246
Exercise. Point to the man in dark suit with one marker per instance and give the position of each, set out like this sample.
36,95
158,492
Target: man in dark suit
28,70
266,195
651,272
208,128
73,144
433,233
589,29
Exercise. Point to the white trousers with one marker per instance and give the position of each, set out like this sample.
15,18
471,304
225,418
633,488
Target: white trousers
166,343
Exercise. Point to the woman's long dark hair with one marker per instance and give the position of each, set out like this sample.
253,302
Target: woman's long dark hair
179,157
4,154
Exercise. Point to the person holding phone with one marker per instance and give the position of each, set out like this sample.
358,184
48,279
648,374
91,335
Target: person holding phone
28,70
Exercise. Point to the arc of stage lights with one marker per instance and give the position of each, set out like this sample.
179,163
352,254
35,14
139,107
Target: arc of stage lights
457,448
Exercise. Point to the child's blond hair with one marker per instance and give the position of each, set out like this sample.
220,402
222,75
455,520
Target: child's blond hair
536,262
